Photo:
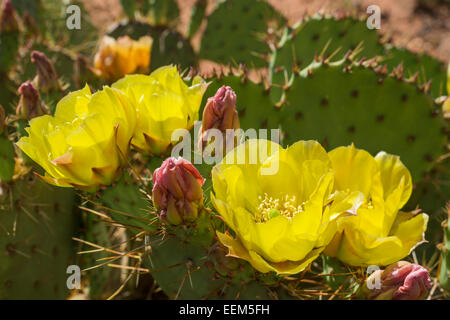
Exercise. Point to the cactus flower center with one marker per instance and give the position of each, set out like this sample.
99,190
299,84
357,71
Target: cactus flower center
270,207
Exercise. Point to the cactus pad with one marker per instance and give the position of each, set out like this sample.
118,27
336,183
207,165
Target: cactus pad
339,105
7,162
128,205
320,34
235,32
428,67
36,240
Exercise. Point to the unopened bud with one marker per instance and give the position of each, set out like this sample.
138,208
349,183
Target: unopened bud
400,281
8,17
47,80
30,105
220,113
177,191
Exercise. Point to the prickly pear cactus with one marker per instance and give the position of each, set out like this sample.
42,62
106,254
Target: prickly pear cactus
38,224
320,35
318,89
365,106
99,280
428,67
236,30
130,206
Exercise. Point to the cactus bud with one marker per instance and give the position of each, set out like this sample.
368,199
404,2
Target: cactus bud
30,105
177,191
220,113
8,18
47,79
2,120
400,281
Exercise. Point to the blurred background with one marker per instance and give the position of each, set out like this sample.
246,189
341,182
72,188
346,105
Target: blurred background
422,26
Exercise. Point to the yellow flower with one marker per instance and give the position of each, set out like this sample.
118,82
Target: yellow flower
279,204
82,145
163,104
379,234
116,58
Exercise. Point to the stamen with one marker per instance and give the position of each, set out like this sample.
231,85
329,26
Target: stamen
272,207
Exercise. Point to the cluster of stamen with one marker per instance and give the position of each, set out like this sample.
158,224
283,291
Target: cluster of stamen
271,207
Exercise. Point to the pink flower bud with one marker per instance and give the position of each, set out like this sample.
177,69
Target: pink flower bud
220,113
400,281
8,17
177,191
30,105
47,79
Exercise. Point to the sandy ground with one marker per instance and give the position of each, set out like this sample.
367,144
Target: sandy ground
410,25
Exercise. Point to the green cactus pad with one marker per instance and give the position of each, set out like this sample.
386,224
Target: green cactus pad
316,35
36,240
339,106
235,32
128,205
9,45
171,262
431,196
428,67
7,162
99,278
169,46
8,97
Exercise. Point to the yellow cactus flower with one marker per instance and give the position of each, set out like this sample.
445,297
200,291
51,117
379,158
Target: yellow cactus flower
379,234
164,103
279,204
116,58
83,145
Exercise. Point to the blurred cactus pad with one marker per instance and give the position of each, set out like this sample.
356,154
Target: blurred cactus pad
90,181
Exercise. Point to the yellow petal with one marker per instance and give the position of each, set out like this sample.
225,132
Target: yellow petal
236,249
163,103
74,105
355,169
362,249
